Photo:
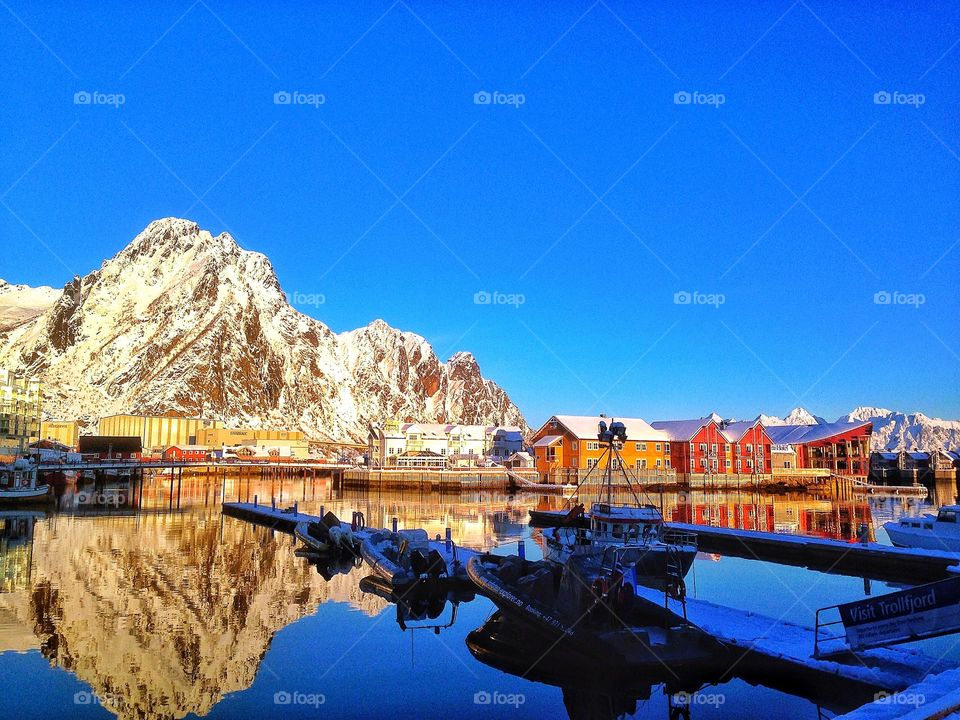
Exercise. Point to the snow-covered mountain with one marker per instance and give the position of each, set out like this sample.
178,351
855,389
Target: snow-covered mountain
183,321
797,416
20,304
892,430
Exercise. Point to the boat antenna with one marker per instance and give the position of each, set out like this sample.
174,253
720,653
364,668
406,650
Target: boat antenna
614,437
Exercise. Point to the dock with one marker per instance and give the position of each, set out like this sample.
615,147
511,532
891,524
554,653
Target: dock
867,560
767,648
933,698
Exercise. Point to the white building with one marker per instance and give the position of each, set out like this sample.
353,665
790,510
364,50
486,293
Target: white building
396,444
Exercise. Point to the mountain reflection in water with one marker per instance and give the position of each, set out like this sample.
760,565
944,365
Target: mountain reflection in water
162,607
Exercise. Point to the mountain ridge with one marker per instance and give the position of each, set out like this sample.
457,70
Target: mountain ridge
183,321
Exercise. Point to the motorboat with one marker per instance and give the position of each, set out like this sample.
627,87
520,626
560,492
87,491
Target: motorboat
410,556
929,532
327,536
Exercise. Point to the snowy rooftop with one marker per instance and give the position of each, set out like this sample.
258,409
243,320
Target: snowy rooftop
789,434
585,426
736,430
678,430
548,440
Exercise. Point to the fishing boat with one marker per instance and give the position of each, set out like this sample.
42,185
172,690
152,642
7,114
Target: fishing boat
589,606
929,532
18,483
657,550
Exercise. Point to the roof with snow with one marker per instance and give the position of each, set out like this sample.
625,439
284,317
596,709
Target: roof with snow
678,430
520,456
585,426
790,434
548,440
888,456
736,430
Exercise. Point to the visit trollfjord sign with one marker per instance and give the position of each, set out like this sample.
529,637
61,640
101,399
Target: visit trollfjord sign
921,612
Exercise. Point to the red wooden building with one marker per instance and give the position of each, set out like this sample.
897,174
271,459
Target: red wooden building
747,448
695,445
186,453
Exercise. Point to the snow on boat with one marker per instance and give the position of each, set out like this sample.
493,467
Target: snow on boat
309,534
940,532
327,535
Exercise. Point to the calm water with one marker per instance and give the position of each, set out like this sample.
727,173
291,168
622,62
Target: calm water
185,613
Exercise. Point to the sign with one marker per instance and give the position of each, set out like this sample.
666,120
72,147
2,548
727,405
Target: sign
921,612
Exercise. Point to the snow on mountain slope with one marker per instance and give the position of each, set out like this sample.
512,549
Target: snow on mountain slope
902,431
183,321
20,303
891,430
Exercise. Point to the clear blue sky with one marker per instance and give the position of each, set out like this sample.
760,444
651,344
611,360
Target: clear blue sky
597,199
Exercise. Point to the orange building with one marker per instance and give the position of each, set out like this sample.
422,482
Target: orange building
567,444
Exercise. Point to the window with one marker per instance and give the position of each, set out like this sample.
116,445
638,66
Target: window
749,448
643,464
737,449
643,447
668,463
593,446
658,447
637,447
750,464
693,465
703,447
666,447
658,462
691,448
726,447
591,463
573,445
739,465
551,453
713,448
703,462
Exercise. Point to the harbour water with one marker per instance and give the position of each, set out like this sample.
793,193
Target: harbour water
160,611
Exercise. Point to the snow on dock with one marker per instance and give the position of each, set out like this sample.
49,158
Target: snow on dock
781,646
872,560
935,697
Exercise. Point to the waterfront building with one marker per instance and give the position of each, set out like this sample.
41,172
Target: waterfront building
567,444
696,446
842,448
157,432
186,453
409,444
111,447
21,402
883,465
783,457
748,446
64,431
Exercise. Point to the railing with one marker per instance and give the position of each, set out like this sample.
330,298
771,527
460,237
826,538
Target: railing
818,639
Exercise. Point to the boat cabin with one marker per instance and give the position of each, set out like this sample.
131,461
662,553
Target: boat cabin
624,524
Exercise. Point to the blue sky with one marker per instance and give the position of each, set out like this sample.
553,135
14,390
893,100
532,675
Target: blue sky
782,198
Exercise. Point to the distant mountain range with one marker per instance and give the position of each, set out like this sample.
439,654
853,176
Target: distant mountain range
892,430
186,322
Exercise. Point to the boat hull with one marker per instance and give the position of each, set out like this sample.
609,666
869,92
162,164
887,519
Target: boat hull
26,495
923,538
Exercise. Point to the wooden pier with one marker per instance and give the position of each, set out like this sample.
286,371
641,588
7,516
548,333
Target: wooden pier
768,650
867,560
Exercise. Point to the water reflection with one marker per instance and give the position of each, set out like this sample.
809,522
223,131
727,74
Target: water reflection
163,607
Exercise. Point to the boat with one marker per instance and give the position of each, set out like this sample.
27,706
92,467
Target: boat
327,536
18,484
657,550
589,607
929,532
409,556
